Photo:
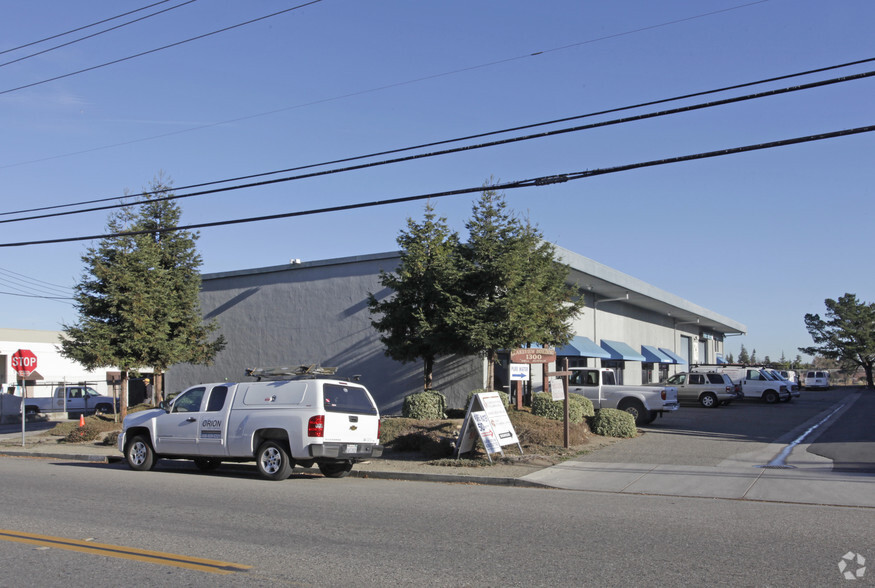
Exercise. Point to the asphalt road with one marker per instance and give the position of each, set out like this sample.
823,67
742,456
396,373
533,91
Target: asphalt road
357,532
700,436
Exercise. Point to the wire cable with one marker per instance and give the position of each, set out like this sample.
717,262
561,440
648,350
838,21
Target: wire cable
579,128
380,88
34,283
96,34
459,139
82,28
157,49
532,182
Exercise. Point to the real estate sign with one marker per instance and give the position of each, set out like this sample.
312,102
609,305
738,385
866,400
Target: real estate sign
487,420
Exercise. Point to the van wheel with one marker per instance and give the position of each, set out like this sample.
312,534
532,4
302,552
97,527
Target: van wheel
139,454
770,396
637,410
273,461
709,400
339,469
207,464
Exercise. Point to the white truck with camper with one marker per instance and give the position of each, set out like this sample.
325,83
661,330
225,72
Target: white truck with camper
643,402
755,382
79,399
287,417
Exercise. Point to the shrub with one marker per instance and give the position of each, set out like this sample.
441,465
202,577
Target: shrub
427,405
610,422
505,398
579,407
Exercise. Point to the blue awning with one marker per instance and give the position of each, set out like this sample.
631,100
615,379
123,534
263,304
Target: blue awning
620,350
654,355
674,356
720,359
582,347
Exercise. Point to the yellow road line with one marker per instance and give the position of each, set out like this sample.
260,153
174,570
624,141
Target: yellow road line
134,553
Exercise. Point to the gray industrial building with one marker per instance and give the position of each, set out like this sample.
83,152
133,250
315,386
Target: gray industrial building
317,312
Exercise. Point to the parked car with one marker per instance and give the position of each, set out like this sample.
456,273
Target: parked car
816,379
792,386
710,389
754,381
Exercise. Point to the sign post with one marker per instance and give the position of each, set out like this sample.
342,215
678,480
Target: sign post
528,356
23,363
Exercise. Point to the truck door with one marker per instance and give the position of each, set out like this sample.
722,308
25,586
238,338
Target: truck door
75,399
213,423
176,432
585,382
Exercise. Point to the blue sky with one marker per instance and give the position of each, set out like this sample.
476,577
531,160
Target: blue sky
761,237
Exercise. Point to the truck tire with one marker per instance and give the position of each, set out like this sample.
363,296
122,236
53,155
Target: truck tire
770,396
273,461
709,400
103,408
139,454
339,469
637,410
31,410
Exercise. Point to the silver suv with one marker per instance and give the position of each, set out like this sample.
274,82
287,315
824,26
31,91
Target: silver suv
710,389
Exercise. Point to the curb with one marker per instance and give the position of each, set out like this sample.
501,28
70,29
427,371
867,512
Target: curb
447,479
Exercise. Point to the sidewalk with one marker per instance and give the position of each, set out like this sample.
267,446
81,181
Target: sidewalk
810,481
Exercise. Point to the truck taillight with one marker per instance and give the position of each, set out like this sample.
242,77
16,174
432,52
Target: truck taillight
379,426
316,426
663,394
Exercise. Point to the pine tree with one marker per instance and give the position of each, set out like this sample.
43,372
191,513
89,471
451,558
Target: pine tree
417,322
138,298
515,291
743,356
847,335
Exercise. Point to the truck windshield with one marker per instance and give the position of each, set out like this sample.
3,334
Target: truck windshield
340,398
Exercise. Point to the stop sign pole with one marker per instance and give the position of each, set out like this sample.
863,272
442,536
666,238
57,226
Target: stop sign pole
24,363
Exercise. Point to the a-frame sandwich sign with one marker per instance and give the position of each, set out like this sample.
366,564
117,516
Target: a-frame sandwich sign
487,420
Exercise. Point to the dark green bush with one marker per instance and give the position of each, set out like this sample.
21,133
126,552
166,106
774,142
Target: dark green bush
428,405
505,398
579,407
610,422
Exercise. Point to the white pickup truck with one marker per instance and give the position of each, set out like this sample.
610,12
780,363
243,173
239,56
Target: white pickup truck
278,423
80,399
644,403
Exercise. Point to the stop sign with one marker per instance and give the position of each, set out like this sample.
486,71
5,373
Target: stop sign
23,362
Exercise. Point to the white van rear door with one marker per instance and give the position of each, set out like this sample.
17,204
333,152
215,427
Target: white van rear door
350,414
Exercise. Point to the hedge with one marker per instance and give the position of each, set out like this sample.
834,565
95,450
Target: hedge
610,422
429,405
579,407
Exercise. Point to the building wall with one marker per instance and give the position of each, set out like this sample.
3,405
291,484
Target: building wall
315,313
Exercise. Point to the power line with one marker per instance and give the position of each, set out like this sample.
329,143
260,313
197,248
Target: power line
96,34
33,282
532,182
544,134
59,299
395,85
465,138
157,49
76,30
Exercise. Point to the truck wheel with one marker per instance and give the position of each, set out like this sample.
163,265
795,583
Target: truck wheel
637,410
103,408
273,461
31,410
207,464
709,400
338,469
139,454
770,396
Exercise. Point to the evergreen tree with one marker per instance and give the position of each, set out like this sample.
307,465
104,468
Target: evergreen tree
417,322
138,299
753,356
847,335
743,356
730,359
515,290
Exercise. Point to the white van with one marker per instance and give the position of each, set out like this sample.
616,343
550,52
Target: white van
755,382
815,379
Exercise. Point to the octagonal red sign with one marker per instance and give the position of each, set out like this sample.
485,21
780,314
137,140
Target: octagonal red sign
23,362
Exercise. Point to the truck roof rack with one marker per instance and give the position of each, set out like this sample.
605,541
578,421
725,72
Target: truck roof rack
288,373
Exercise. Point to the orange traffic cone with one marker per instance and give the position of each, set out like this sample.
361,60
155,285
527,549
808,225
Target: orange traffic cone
81,420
